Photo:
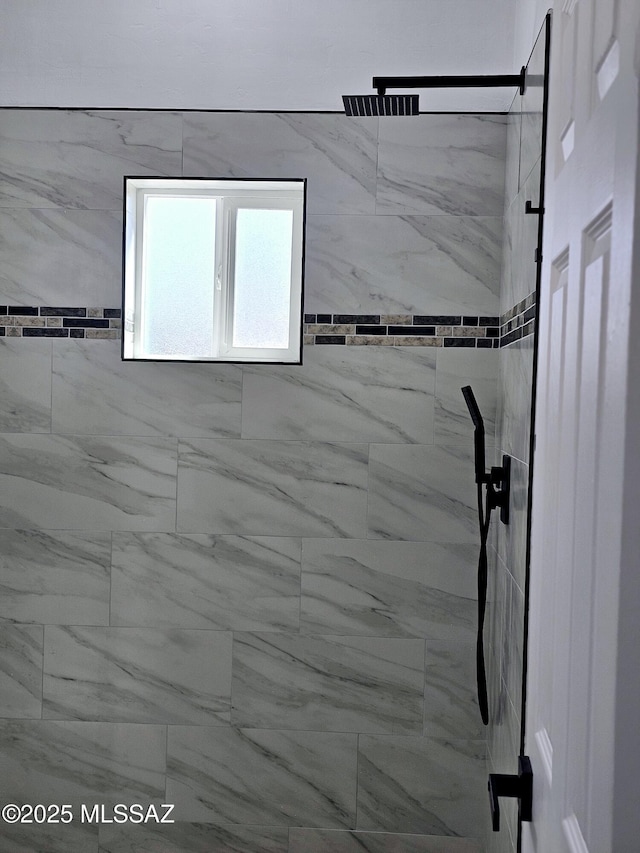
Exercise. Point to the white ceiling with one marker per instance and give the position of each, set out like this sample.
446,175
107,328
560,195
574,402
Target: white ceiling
252,54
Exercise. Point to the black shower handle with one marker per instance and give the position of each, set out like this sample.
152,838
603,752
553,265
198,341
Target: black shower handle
508,785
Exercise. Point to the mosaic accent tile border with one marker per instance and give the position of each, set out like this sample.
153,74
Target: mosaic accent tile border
518,322
25,321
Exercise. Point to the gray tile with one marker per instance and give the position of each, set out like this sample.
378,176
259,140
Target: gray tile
54,577
403,264
143,398
200,581
358,684
336,154
512,538
450,703
525,239
193,838
66,482
422,493
20,671
421,785
388,589
294,488
61,257
264,777
335,841
343,394
513,664
25,386
512,165
77,159
516,390
68,762
442,164
455,368
137,675
73,837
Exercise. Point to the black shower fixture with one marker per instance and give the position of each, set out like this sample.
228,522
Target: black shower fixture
407,105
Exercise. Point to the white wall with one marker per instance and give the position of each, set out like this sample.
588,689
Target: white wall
529,17
247,54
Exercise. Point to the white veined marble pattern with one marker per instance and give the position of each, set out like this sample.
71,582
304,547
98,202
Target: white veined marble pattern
141,398
343,394
74,837
54,577
516,383
450,704
21,671
25,386
294,488
61,257
456,368
184,837
237,583
137,675
336,154
78,482
403,264
77,159
303,840
359,684
442,164
260,776
388,589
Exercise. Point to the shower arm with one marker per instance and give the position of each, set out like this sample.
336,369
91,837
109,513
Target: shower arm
381,84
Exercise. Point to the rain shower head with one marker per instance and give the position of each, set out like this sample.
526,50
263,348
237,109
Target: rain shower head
380,105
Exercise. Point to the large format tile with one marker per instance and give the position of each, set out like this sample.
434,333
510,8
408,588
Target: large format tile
516,389
421,785
192,838
302,840
456,368
143,398
77,159
74,837
54,577
200,581
61,257
262,777
403,264
422,493
343,394
450,703
68,762
67,482
512,165
25,386
359,684
388,589
442,164
336,154
137,675
294,488
512,538
20,671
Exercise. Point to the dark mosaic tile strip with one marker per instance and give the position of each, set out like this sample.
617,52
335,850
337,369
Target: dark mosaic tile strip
63,312
30,332
518,322
85,323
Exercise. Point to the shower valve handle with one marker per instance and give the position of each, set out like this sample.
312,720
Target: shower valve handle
520,787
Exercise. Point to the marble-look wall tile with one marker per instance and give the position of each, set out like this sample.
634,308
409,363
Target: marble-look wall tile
442,164
422,493
141,398
512,656
20,671
68,762
343,394
74,837
516,386
303,840
61,257
77,159
388,589
403,264
200,581
262,777
25,386
358,684
421,785
294,488
512,154
512,538
67,482
137,675
193,838
524,239
54,577
456,368
336,154
450,703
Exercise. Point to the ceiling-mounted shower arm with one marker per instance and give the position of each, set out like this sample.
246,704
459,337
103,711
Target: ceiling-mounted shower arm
381,84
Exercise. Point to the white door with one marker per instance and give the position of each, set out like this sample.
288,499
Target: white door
579,730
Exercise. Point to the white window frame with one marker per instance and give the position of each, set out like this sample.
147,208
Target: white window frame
230,194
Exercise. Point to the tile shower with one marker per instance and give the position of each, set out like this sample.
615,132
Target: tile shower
249,591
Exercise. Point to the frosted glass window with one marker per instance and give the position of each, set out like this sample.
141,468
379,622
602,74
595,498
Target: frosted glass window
262,280
213,269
